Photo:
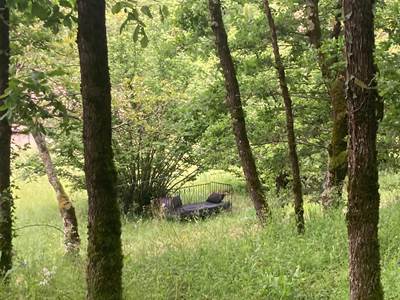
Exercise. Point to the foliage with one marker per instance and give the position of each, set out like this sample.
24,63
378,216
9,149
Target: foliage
178,70
53,14
154,151
134,12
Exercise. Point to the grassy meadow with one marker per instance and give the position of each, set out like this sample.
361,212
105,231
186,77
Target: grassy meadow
225,257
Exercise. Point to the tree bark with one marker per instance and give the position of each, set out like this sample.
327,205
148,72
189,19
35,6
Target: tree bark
104,225
337,163
314,32
297,188
363,189
67,210
6,201
337,150
234,104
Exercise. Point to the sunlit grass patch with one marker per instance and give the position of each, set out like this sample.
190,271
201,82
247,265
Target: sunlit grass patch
224,257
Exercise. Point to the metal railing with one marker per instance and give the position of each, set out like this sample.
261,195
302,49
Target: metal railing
200,192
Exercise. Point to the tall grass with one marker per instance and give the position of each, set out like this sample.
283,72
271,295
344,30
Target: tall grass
225,257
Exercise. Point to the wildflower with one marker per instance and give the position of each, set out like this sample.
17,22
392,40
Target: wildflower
47,276
302,29
298,15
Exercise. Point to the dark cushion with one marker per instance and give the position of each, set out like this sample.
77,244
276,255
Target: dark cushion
215,198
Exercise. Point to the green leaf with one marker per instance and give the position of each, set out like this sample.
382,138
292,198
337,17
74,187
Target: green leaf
161,15
21,5
165,10
134,15
6,94
57,72
39,11
120,5
136,33
67,22
146,10
117,7
123,25
66,3
145,40
37,76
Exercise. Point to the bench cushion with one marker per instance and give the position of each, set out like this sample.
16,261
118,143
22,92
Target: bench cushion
215,198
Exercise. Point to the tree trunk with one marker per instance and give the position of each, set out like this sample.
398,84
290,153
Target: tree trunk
363,189
297,188
337,163
234,104
104,268
67,210
6,202
313,24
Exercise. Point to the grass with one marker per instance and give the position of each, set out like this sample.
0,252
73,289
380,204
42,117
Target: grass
225,257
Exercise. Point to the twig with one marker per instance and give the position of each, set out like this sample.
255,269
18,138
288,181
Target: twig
39,225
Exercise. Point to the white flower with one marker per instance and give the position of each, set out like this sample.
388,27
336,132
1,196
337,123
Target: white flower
46,272
43,282
47,276
298,15
302,29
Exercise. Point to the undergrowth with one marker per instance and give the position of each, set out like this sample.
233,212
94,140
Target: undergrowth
225,257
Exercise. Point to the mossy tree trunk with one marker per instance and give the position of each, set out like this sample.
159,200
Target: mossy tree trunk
363,107
67,210
297,188
337,164
234,104
6,202
104,267
334,80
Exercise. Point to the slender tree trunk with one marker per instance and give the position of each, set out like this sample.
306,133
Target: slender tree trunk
337,163
313,24
6,202
67,210
363,189
297,188
104,245
234,104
